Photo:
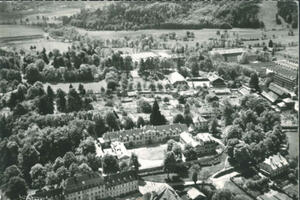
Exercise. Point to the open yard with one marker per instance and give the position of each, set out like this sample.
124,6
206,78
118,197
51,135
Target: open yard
151,156
293,139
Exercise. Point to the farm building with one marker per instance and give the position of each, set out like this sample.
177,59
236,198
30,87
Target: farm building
284,73
176,79
195,82
216,81
274,165
230,55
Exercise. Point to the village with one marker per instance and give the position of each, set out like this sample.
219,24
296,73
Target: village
149,115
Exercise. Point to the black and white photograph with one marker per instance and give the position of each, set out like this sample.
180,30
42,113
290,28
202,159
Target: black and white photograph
149,100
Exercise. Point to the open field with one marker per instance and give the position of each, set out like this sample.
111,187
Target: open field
293,139
18,30
94,86
151,156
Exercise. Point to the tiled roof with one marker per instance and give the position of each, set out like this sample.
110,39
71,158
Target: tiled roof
138,131
48,193
276,161
120,178
75,184
229,51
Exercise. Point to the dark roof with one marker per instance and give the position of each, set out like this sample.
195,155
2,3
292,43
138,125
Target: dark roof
120,178
278,90
137,131
48,193
75,184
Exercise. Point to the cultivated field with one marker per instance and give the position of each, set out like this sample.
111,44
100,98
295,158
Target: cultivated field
293,140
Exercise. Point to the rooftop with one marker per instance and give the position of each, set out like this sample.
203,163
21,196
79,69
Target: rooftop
278,89
228,51
276,161
175,77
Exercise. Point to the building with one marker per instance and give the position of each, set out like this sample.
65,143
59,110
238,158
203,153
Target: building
221,91
274,165
202,142
94,186
51,194
144,135
176,79
208,112
195,194
280,91
270,96
195,82
230,55
216,81
201,123
285,73
137,57
119,150
163,192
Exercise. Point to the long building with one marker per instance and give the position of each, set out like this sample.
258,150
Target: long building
94,186
144,135
285,73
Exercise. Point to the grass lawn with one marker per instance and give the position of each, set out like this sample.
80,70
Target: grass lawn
293,139
150,156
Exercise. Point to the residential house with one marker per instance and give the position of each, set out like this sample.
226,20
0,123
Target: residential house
202,142
216,81
176,79
274,165
50,194
195,82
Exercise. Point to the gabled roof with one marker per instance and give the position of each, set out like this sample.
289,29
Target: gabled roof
278,90
271,96
165,193
194,193
276,161
120,178
175,77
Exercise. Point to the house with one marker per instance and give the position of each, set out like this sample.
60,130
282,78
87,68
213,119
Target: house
282,106
280,91
195,194
289,103
195,82
270,96
244,90
230,55
274,165
164,192
208,112
284,73
176,79
201,123
144,135
202,142
94,186
221,91
216,81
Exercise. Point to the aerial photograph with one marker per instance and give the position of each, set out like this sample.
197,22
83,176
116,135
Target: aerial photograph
149,100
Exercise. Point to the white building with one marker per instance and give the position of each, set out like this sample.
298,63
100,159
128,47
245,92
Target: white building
274,165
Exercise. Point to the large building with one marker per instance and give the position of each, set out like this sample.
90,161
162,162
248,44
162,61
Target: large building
94,186
204,143
216,81
176,79
144,135
285,73
274,165
230,55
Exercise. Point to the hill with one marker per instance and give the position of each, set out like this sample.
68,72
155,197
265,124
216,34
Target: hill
170,15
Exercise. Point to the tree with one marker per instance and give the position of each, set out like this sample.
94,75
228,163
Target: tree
169,163
134,162
170,144
84,169
222,195
69,158
110,164
254,81
128,123
112,121
270,44
143,106
52,178
156,118
189,153
140,122
227,112
10,172
213,126
195,177
74,102
16,188
81,89
61,100
139,86
188,120
87,146
123,166
45,105
33,74
179,119
38,176
100,126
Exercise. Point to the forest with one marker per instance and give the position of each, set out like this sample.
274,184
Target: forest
142,15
